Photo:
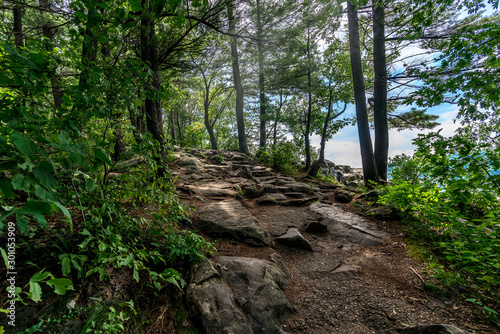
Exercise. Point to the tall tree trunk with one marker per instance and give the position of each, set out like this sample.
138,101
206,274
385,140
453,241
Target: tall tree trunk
309,103
179,127
173,133
365,142
240,120
48,32
17,12
136,117
276,120
119,147
380,90
149,56
262,93
317,164
208,125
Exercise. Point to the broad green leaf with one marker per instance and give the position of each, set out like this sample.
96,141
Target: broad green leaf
90,185
22,224
135,5
66,213
61,285
35,291
40,276
19,182
66,265
43,173
25,145
99,154
6,187
78,158
32,207
5,259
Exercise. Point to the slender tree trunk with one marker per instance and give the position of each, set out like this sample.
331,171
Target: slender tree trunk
380,90
172,126
309,104
119,147
262,93
179,128
240,120
317,164
149,56
276,120
208,125
136,117
17,12
48,32
367,157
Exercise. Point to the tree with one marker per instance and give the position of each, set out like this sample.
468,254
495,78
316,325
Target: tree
368,160
242,141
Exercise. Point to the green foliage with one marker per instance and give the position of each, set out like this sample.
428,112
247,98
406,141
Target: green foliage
449,200
283,157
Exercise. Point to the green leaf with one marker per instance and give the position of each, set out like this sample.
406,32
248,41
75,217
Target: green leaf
44,173
22,224
6,187
25,145
66,265
78,158
66,213
40,276
90,185
5,259
99,154
135,5
61,285
19,182
35,291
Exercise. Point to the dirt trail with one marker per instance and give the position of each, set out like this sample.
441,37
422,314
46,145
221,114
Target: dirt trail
339,287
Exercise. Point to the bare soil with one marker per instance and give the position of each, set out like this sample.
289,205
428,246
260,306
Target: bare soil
382,289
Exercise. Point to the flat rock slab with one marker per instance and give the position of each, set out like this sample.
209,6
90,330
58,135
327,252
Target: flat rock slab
300,201
212,191
230,218
211,300
350,229
293,238
258,286
191,163
271,198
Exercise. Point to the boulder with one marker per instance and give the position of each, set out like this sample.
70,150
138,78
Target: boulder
300,188
266,188
383,212
245,173
213,303
433,329
271,199
293,238
316,227
213,190
190,163
300,201
343,196
230,218
349,228
258,286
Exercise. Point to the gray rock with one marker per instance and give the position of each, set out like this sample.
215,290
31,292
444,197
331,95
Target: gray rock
300,201
230,218
293,238
212,190
433,329
271,199
266,188
316,227
258,286
383,212
212,301
250,191
353,186
245,173
349,177
190,163
343,196
345,269
300,188
351,229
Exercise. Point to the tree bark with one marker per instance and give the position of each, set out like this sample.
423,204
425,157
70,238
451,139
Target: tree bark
240,120
149,56
172,126
309,104
119,147
365,142
208,125
262,93
380,90
17,12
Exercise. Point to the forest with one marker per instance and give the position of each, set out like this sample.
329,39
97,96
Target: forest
92,88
